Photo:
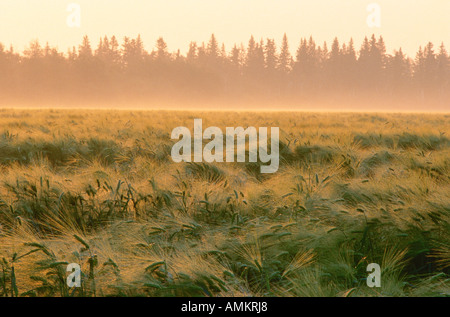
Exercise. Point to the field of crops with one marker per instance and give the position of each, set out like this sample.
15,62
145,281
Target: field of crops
99,188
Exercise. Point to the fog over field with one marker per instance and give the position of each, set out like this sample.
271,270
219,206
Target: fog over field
261,75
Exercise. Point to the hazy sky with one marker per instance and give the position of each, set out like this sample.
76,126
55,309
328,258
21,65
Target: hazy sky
405,23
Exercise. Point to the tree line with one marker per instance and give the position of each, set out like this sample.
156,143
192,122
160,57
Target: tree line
259,73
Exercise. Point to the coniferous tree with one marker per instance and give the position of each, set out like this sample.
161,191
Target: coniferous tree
162,53
212,50
271,59
285,58
192,53
126,70
237,57
443,70
398,72
85,50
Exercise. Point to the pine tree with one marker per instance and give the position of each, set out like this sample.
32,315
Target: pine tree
212,50
443,70
192,52
236,57
364,53
114,51
85,50
255,57
443,67
285,58
34,50
430,65
251,52
270,51
398,72
161,49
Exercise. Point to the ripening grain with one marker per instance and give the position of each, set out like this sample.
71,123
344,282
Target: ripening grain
99,188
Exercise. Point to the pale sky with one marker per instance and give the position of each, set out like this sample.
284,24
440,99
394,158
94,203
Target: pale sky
405,23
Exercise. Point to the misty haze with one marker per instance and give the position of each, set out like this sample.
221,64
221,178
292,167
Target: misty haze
261,75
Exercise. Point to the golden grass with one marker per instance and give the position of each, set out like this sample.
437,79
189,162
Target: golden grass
352,189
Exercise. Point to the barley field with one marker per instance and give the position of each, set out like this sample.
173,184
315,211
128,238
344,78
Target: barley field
99,188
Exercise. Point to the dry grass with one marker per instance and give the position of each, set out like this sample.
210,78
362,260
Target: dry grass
99,188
